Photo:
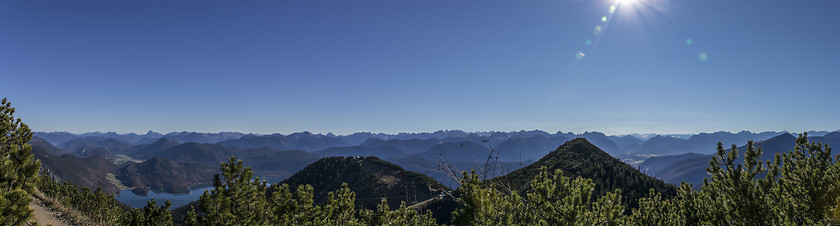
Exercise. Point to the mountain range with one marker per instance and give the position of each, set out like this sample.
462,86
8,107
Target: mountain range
691,167
277,157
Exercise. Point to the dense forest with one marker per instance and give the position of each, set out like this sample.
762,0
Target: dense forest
801,186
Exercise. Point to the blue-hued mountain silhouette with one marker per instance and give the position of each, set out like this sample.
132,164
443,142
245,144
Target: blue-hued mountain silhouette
304,141
88,145
656,143
691,167
87,159
627,142
674,169
705,143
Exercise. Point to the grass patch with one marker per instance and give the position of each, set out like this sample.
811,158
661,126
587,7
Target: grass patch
116,182
69,214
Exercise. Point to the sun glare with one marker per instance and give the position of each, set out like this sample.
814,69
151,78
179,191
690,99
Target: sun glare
620,2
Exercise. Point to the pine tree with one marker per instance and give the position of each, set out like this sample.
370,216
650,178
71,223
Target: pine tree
403,216
809,187
295,209
552,200
191,218
239,199
18,168
340,208
150,215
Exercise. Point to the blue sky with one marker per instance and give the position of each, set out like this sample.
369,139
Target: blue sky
410,66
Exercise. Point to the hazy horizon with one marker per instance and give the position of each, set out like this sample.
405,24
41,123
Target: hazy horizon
418,132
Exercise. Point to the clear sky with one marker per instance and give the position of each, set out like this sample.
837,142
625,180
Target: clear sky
650,66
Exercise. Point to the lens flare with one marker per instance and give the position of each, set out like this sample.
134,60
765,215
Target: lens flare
688,41
589,42
579,55
662,5
603,19
625,1
612,9
703,56
597,30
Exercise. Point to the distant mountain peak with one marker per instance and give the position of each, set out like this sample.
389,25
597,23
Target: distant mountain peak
832,135
786,135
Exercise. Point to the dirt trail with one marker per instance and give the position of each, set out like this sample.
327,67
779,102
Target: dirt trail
45,215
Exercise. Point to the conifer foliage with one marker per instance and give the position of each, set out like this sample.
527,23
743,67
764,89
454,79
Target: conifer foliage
238,199
18,168
552,200
152,214
241,199
799,187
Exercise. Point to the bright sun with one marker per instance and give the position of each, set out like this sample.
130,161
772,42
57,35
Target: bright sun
625,1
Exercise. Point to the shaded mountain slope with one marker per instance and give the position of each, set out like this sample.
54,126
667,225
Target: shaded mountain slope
770,147
46,146
627,143
673,169
466,151
91,171
208,154
656,143
578,157
602,141
407,146
370,177
272,164
526,149
151,148
88,145
168,175
275,141
304,141
56,138
201,138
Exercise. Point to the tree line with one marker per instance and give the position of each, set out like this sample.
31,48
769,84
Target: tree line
800,187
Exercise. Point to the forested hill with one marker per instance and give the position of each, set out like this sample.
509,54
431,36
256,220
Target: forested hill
579,158
370,177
